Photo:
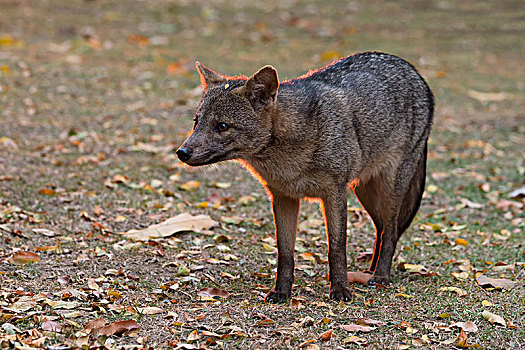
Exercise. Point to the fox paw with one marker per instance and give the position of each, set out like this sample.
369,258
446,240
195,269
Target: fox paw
277,297
376,281
341,294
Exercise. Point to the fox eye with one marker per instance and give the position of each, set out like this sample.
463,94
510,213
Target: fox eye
222,127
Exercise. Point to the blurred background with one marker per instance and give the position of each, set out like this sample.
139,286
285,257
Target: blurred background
98,55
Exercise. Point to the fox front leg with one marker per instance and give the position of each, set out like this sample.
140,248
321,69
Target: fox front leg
335,211
286,214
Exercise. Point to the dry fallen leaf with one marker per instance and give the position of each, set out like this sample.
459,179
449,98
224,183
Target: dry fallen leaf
234,220
502,266
449,341
21,258
460,275
270,248
499,283
305,343
118,327
45,232
309,256
222,184
493,318
461,241
246,200
120,218
432,188
365,256
505,205
139,39
92,284
487,96
410,330
469,204
193,336
520,192
186,346
265,322
356,328
179,223
98,210
295,303
355,340
326,335
403,295
415,269
151,310
370,322
485,187
210,334
305,321
503,235
95,325
213,292
423,341
47,192
190,186
21,305
120,179
467,326
324,320
64,280
462,339
410,267
51,326
358,277
61,304
460,292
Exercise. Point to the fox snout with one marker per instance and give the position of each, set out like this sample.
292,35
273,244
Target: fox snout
184,154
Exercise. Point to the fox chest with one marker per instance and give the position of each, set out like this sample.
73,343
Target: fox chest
289,181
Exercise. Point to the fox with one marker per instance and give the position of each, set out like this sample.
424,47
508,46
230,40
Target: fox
360,124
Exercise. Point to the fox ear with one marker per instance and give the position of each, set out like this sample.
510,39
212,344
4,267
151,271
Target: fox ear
261,88
208,77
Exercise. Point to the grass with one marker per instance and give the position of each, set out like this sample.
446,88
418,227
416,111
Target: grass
84,83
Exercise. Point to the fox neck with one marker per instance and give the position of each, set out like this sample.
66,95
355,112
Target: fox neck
289,148
282,123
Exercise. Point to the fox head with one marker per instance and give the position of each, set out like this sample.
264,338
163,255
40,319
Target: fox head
234,117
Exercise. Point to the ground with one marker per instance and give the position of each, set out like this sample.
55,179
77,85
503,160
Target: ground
95,96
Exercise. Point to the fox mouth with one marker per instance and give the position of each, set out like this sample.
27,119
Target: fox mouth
206,159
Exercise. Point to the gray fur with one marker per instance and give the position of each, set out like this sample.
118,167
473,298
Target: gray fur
363,120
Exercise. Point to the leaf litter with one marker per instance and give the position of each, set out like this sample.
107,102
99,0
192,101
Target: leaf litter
127,148
498,283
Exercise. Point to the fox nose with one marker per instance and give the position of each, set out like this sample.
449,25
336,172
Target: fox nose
184,154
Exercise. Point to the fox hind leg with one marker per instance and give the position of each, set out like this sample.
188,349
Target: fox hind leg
398,216
369,195
413,196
